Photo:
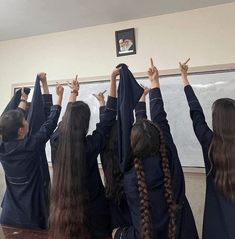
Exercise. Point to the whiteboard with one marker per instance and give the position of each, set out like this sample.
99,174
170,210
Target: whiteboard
208,87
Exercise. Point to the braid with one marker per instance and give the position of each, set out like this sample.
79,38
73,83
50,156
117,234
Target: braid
144,200
172,206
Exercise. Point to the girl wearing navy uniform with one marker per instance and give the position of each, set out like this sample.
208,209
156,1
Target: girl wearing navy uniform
25,202
218,147
153,177
79,207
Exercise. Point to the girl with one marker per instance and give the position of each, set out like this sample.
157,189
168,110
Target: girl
25,201
78,204
218,146
154,183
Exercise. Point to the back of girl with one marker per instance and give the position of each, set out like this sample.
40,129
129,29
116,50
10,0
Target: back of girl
154,186
78,204
218,147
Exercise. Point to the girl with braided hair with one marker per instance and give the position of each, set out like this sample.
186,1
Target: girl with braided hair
154,183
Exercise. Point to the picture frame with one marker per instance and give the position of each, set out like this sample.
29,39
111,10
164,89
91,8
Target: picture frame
125,42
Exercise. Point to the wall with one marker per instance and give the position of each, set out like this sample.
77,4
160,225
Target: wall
206,35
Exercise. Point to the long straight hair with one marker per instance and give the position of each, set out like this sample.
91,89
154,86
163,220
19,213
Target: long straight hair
148,140
112,173
69,195
222,148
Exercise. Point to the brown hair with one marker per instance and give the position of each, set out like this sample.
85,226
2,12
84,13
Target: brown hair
222,147
147,140
69,195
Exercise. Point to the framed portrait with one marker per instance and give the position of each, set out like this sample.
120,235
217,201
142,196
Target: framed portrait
125,42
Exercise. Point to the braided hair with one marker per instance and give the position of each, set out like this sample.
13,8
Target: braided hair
147,140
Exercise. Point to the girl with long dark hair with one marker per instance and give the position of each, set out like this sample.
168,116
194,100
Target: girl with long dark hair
218,146
78,205
153,181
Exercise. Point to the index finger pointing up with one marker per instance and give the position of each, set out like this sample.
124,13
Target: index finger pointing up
151,62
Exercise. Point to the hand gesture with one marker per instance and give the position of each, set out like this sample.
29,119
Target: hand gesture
153,73
146,90
59,89
100,98
24,96
115,73
74,85
184,68
42,77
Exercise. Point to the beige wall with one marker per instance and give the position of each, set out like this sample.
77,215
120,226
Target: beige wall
206,35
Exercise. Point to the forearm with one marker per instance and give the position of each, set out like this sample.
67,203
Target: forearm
58,100
185,79
45,88
112,87
73,97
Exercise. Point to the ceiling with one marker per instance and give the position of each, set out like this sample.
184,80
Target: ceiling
22,18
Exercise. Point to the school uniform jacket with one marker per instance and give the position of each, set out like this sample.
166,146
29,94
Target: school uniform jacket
99,216
25,200
219,212
154,179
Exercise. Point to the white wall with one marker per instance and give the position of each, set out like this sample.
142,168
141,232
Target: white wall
206,35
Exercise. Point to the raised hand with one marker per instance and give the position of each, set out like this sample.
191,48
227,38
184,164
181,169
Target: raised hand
153,75
115,73
100,98
24,96
42,76
146,91
184,71
59,89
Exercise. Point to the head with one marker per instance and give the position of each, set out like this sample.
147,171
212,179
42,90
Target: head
13,125
69,195
222,148
112,173
147,140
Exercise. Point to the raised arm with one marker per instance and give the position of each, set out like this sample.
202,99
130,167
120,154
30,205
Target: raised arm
46,96
46,130
140,109
23,100
102,103
200,126
54,139
157,111
108,117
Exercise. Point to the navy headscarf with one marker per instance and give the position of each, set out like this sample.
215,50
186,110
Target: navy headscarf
129,93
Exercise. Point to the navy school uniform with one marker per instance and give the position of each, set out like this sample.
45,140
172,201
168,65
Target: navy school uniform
154,179
219,212
99,215
120,214
22,154
24,203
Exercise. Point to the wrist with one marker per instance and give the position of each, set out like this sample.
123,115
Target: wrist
74,92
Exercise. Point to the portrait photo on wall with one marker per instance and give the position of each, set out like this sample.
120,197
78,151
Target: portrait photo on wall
125,42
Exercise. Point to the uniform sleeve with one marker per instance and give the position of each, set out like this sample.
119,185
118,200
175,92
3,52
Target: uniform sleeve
102,112
140,111
47,103
158,113
54,142
46,130
103,128
200,126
